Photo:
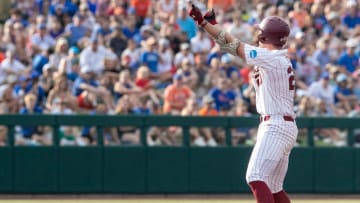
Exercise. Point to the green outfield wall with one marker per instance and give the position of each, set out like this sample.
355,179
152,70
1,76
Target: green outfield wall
167,170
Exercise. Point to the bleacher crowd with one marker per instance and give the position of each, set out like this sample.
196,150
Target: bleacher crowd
148,57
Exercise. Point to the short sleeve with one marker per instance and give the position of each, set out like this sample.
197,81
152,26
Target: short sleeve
261,57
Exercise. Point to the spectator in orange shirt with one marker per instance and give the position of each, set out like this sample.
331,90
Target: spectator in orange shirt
206,136
208,108
300,17
176,95
221,4
141,7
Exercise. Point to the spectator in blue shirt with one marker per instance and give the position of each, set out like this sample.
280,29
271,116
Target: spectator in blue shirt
31,134
37,89
92,4
30,85
332,27
55,8
70,7
214,53
186,24
17,16
344,96
86,88
319,19
130,30
75,31
23,86
150,57
141,108
40,60
227,67
351,18
223,97
86,81
322,55
348,59
30,105
56,29
39,5
104,30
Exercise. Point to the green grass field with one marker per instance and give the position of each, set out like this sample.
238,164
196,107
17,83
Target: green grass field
172,201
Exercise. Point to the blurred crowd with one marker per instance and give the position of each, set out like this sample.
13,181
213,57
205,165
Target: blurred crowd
148,57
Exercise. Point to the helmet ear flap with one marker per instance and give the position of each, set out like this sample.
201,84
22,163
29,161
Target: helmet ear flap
262,38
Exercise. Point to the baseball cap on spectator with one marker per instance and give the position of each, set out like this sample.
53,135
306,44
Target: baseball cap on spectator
147,21
299,35
350,3
93,40
41,26
80,17
332,16
59,6
149,42
23,78
83,6
341,78
62,41
74,50
11,79
325,75
146,28
10,52
283,7
177,76
86,69
163,42
208,99
332,68
184,46
328,30
351,43
225,58
130,10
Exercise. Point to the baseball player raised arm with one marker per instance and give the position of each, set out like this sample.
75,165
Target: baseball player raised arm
227,42
274,83
256,56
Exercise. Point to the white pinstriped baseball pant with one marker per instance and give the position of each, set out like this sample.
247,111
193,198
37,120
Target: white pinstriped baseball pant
270,156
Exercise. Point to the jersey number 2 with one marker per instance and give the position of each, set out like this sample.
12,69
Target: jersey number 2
291,79
257,77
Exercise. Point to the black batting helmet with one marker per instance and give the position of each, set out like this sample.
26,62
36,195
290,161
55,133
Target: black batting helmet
273,30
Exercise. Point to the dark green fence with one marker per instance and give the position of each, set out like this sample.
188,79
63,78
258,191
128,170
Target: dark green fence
159,170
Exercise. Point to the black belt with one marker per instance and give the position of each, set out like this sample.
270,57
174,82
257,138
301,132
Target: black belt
267,117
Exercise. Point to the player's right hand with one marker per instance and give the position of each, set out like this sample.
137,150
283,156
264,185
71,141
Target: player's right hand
210,17
196,14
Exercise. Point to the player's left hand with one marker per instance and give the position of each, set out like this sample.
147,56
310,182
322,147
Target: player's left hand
196,14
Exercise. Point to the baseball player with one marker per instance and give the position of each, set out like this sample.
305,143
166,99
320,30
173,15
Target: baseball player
274,83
